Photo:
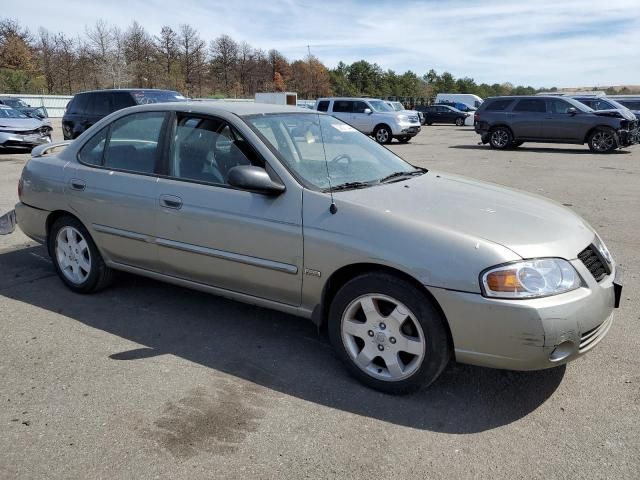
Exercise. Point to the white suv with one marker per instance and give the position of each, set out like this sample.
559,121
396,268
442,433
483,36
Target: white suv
373,117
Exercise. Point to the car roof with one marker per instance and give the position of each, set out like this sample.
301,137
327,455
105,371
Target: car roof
126,90
348,98
237,108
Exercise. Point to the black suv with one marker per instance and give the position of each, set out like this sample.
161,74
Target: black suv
507,122
443,114
87,108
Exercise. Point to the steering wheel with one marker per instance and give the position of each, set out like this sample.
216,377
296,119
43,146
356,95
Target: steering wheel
342,156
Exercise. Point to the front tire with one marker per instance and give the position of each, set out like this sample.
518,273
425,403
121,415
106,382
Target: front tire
459,121
388,333
76,257
603,140
383,135
404,139
500,138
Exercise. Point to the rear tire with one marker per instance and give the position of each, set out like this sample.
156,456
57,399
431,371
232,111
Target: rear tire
603,140
76,258
404,139
400,344
500,138
516,143
383,135
429,123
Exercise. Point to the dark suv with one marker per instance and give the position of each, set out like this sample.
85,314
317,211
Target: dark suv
87,108
507,122
443,114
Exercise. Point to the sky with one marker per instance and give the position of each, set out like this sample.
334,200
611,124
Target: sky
540,43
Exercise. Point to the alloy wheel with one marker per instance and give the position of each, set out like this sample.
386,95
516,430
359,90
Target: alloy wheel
500,138
383,337
73,255
603,141
382,136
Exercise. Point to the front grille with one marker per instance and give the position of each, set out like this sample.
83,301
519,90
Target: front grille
589,338
594,263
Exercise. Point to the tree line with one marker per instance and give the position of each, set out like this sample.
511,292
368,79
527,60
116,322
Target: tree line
178,58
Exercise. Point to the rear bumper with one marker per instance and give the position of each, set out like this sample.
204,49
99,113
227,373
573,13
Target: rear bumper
529,334
32,221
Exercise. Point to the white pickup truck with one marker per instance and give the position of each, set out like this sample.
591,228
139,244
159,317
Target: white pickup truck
373,117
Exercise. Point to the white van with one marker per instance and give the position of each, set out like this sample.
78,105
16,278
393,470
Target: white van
468,99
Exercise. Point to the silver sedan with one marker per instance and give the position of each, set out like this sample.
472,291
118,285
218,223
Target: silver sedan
18,130
292,210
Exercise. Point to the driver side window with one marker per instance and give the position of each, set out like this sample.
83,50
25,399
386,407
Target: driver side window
205,149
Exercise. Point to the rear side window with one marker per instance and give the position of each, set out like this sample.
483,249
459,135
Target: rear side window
323,106
78,104
99,104
531,105
91,152
134,143
498,105
343,106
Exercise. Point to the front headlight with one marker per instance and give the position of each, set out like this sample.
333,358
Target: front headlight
403,118
530,278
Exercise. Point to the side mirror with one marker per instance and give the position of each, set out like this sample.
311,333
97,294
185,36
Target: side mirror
253,179
572,110
368,111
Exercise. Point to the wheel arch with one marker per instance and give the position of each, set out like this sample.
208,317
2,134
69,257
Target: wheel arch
503,125
382,124
594,128
341,276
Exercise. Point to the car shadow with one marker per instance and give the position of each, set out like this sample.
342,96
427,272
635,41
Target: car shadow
272,349
575,151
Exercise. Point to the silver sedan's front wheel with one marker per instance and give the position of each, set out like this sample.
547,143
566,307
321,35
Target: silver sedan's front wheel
388,332
383,337
73,255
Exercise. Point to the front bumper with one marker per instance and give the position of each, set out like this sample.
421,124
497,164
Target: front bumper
406,129
529,334
628,137
20,140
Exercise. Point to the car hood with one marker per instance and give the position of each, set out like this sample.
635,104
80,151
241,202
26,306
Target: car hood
528,225
618,112
19,124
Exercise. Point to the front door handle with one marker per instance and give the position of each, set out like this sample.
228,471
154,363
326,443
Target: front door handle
171,201
77,184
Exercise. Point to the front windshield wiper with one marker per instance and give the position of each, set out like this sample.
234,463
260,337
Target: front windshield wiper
351,186
396,175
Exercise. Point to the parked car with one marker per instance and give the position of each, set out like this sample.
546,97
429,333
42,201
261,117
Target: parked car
19,130
632,102
372,117
602,103
87,108
507,122
444,114
466,98
399,107
297,211
22,106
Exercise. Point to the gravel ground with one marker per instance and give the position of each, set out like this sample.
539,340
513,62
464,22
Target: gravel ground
147,380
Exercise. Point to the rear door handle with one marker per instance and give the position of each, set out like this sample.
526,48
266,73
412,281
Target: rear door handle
77,184
171,201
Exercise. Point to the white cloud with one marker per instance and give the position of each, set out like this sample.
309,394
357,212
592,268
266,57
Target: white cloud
546,42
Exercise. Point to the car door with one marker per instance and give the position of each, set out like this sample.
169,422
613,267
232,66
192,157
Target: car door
562,125
526,118
113,187
361,120
343,110
211,233
449,115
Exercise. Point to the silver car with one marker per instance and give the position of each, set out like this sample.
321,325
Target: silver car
19,130
297,211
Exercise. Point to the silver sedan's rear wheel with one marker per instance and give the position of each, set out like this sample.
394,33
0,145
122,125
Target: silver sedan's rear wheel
73,255
76,257
388,333
383,337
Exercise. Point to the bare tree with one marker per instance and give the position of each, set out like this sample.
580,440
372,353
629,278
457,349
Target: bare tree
46,53
189,44
66,60
224,52
167,47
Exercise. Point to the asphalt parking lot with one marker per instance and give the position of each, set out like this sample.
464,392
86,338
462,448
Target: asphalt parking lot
148,380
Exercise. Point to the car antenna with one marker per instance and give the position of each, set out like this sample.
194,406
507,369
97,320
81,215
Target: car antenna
333,208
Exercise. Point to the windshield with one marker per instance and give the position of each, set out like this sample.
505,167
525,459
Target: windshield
15,102
303,141
143,97
11,113
631,104
380,106
397,106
